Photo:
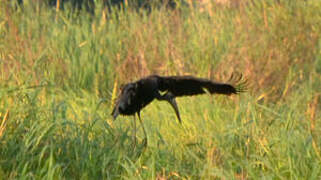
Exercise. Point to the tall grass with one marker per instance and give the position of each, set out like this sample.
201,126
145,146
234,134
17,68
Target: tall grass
58,71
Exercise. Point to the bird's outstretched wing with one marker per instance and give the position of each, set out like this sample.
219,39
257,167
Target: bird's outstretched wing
189,85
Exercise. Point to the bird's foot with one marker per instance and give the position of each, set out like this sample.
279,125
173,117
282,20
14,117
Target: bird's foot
134,143
139,149
144,143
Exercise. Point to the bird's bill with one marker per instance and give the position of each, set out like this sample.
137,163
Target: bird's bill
115,113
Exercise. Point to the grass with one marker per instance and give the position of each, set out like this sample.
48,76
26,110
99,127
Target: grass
58,71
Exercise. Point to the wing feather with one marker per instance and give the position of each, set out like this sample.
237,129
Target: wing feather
189,85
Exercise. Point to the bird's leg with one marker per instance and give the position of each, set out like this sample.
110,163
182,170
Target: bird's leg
141,122
169,97
134,136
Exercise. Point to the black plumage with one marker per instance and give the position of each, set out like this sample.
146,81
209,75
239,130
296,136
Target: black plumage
136,95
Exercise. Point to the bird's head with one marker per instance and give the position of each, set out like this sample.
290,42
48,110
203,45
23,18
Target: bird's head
125,99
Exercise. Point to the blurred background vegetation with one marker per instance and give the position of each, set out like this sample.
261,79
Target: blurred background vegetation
59,64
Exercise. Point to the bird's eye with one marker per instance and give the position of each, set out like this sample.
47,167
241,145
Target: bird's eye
121,87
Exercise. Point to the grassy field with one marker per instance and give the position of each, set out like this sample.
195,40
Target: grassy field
58,71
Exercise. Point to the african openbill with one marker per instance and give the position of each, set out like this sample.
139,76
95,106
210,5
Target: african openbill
136,95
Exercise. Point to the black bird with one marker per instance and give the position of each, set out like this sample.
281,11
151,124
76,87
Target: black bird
136,95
